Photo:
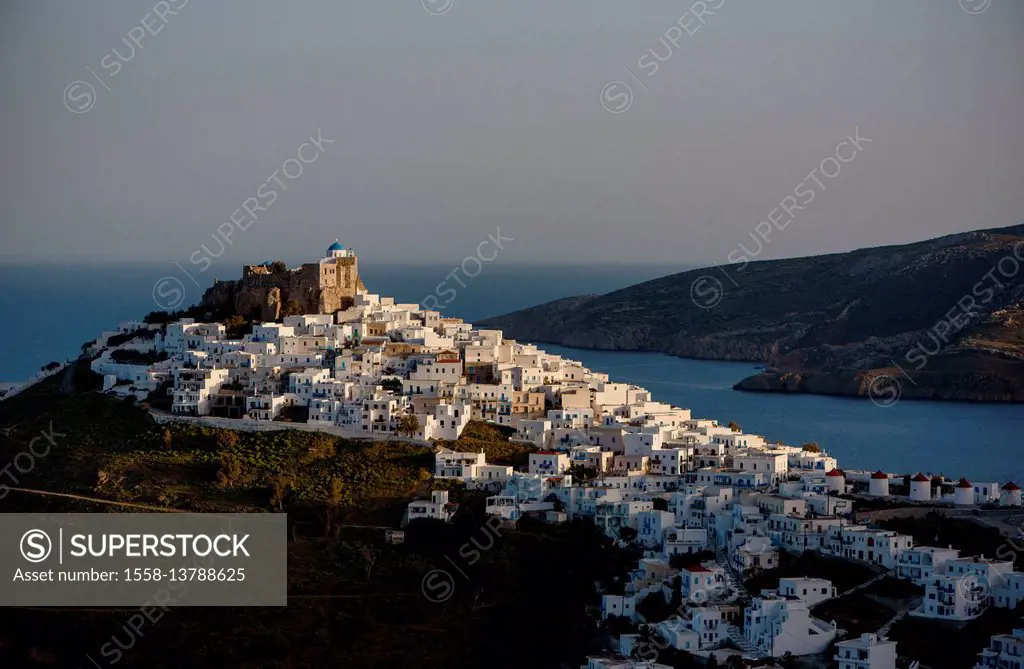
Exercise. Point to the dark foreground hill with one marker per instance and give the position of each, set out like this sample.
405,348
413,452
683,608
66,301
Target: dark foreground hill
443,598
941,319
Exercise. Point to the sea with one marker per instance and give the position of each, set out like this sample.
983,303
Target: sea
50,311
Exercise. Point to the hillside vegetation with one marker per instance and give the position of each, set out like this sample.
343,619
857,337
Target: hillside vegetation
354,599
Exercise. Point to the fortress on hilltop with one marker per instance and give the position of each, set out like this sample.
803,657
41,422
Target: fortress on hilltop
269,290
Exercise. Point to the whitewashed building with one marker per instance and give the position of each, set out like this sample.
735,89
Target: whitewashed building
867,651
698,628
753,553
1010,593
922,564
986,492
778,625
963,591
438,508
447,422
702,583
684,541
549,462
856,542
1005,651
618,605
811,591
651,527
796,534
773,465
193,389
469,467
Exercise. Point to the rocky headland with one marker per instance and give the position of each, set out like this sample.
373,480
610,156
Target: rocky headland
938,319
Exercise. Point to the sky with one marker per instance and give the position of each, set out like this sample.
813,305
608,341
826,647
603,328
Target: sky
127,137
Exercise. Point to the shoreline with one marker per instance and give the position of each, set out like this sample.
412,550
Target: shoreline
748,384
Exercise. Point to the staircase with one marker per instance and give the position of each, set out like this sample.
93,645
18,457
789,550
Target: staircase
865,584
740,641
734,581
743,597
883,631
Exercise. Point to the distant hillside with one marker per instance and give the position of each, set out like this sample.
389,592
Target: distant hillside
944,317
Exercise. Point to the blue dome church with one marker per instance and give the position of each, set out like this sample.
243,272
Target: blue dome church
336,250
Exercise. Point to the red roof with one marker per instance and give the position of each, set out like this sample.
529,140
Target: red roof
880,475
964,483
1011,486
834,472
697,568
921,478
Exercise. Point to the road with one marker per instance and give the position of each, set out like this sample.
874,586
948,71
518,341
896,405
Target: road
246,425
1010,525
65,386
97,500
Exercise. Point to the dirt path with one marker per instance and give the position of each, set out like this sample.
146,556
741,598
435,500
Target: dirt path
97,500
162,509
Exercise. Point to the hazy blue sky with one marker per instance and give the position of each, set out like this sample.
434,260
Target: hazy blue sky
490,114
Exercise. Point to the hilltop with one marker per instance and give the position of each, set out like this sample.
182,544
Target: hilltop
271,290
941,318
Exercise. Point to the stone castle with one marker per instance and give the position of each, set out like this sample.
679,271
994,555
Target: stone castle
267,291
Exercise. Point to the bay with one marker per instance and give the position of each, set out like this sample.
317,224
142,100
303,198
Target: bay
983,442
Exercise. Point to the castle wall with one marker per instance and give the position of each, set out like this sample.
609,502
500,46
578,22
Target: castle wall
253,270
339,282
318,287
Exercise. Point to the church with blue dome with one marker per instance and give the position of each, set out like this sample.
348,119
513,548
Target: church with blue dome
337,250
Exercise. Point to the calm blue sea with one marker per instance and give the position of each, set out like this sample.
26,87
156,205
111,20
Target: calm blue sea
48,312
979,441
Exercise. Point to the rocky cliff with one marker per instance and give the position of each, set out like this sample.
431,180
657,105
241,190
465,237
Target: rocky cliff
266,293
939,319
